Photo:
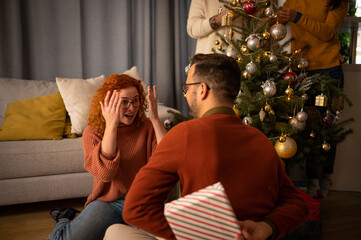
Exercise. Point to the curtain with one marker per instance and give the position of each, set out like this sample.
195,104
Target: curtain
45,39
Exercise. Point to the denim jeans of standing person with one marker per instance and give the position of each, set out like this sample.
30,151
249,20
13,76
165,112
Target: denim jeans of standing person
91,223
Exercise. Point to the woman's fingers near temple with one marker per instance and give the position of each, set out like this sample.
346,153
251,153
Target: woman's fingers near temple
155,91
113,98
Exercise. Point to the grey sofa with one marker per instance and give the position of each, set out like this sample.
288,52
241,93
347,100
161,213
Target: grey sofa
41,170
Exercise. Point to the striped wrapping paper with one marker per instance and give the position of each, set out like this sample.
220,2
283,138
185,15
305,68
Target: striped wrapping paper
205,214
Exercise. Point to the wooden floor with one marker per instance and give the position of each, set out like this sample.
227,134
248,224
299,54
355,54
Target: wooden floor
340,212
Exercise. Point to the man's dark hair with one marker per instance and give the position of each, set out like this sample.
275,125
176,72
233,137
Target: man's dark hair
220,72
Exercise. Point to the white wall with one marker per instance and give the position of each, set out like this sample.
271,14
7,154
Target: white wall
347,171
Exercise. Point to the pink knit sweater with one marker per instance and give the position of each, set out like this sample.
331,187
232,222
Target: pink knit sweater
113,175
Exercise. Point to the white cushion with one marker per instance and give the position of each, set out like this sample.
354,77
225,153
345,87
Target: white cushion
77,94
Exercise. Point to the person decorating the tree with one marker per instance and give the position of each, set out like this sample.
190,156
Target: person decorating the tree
205,19
117,142
314,25
215,147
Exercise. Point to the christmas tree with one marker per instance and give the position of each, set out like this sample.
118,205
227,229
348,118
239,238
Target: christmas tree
300,114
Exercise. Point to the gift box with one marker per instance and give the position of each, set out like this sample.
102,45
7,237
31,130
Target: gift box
313,207
205,214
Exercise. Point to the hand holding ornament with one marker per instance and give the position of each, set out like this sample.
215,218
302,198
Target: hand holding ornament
286,15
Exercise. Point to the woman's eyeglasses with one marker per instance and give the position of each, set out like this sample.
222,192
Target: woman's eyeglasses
126,103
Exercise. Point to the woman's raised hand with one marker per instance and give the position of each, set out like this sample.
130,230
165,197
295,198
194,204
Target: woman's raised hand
110,108
153,103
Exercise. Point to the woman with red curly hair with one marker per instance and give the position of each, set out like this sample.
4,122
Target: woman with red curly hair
117,142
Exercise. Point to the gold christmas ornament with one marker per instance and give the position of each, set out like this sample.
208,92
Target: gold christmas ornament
234,3
266,35
321,100
289,92
246,74
258,58
267,107
239,59
216,42
219,47
282,138
312,134
286,149
231,14
326,146
244,48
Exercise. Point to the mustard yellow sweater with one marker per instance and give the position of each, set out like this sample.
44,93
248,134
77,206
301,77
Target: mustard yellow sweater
318,29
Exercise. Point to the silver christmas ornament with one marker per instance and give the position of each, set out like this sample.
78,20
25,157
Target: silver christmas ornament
297,125
231,52
270,12
338,116
269,87
262,115
304,97
328,119
168,123
253,42
304,62
300,126
272,58
302,116
251,68
278,31
247,120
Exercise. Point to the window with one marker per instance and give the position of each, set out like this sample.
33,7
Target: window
350,34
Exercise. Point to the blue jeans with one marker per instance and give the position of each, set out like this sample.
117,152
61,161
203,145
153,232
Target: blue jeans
92,222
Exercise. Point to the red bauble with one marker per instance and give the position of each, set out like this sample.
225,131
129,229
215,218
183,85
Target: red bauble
250,7
291,77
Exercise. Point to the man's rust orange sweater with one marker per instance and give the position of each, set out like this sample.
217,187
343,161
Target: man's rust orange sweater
113,175
203,151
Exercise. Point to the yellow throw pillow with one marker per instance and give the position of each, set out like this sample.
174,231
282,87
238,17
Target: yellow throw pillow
34,118
67,129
